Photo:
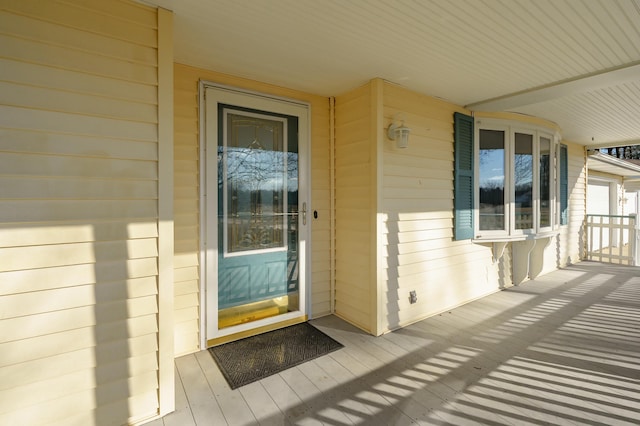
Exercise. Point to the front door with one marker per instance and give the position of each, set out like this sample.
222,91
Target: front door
254,212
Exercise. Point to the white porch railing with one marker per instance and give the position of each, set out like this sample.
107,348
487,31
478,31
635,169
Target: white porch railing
612,239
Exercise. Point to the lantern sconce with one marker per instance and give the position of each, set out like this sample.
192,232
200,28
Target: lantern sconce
399,133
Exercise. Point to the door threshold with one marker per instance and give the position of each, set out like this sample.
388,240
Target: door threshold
235,315
259,330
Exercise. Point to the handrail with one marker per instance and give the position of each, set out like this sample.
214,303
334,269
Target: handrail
613,215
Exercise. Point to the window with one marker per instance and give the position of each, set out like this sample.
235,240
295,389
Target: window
545,182
514,180
491,188
564,186
523,181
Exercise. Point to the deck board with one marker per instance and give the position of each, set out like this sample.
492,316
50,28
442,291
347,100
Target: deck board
233,408
563,349
262,406
198,393
291,405
328,375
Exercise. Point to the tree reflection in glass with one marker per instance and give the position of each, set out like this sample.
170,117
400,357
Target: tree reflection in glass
545,182
256,190
523,173
491,153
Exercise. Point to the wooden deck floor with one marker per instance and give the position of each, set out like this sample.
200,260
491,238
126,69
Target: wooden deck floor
563,350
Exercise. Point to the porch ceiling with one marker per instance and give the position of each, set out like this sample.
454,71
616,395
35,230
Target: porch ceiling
574,62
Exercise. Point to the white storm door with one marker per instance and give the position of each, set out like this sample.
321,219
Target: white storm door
255,202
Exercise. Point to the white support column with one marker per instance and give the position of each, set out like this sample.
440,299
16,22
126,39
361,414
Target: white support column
634,235
614,209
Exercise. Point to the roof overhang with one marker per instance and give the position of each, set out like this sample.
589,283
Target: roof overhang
605,163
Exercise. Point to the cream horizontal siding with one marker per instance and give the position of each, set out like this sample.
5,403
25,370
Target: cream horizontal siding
78,212
411,192
186,211
187,204
573,235
321,255
419,253
355,192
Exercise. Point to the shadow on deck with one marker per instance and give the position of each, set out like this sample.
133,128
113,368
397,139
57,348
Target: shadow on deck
562,349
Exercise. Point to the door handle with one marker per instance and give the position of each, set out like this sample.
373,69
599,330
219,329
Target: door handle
304,213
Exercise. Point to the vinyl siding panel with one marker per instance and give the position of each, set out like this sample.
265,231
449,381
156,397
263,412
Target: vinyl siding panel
187,198
419,252
321,255
573,235
78,212
355,192
186,205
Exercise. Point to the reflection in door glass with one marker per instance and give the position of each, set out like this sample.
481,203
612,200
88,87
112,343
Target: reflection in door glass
256,183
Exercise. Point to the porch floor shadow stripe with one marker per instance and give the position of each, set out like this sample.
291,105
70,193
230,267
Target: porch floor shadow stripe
254,358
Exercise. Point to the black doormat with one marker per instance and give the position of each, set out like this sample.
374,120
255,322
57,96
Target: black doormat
254,358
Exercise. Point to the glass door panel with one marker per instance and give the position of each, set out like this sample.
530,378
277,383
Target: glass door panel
257,215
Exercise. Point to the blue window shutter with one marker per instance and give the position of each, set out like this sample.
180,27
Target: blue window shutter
564,185
463,176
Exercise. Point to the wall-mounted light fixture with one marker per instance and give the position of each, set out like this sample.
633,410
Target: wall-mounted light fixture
399,133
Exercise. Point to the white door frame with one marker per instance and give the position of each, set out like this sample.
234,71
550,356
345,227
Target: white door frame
210,95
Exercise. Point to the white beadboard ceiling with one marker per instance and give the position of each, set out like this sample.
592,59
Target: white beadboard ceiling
574,62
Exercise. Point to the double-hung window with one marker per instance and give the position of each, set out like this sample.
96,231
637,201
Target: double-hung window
515,180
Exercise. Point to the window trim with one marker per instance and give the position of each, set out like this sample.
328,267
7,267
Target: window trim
553,177
487,234
511,160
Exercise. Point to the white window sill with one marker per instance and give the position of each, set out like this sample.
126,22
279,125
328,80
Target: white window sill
519,237
500,242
